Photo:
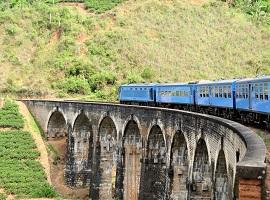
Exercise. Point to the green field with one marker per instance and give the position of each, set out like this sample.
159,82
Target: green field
56,50
21,174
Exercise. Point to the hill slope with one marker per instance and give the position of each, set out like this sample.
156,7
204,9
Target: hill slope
81,52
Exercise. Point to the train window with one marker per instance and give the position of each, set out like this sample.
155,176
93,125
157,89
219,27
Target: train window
240,91
225,91
261,91
243,92
229,92
216,91
256,91
200,91
203,93
207,91
247,92
220,92
266,91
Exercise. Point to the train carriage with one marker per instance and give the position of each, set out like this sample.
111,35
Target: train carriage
141,94
175,95
252,99
245,99
216,97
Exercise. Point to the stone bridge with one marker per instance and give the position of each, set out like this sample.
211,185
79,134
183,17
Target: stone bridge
134,152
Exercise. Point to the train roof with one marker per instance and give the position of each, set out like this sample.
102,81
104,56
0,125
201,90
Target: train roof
139,85
257,79
173,84
216,82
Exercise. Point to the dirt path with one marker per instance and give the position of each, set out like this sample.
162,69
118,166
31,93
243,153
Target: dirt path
37,138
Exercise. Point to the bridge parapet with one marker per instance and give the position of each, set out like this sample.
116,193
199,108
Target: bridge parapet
135,152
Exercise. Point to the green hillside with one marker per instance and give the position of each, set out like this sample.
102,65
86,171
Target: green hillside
69,50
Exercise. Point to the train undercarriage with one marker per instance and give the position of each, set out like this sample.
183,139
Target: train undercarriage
262,120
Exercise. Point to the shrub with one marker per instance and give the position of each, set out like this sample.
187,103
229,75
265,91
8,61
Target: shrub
11,29
147,73
100,6
99,80
258,9
134,78
9,87
73,85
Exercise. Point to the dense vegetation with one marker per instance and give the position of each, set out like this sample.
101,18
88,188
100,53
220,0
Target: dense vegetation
59,50
258,10
21,174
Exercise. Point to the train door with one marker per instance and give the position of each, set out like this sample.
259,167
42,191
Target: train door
250,95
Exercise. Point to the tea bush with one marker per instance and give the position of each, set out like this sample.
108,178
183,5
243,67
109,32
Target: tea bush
20,172
10,116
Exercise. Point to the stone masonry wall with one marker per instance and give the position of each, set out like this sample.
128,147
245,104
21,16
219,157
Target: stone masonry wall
151,153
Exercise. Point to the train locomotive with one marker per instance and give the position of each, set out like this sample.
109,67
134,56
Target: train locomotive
243,99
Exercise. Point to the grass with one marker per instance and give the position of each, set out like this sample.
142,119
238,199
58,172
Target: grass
3,196
87,55
265,136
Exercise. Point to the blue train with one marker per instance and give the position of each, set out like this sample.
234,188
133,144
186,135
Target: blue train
246,99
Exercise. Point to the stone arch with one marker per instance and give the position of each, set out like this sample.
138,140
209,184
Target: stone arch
107,115
57,125
131,156
201,172
83,149
107,155
158,125
179,164
154,172
131,118
221,189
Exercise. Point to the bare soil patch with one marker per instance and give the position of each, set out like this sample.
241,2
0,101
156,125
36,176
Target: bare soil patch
57,173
